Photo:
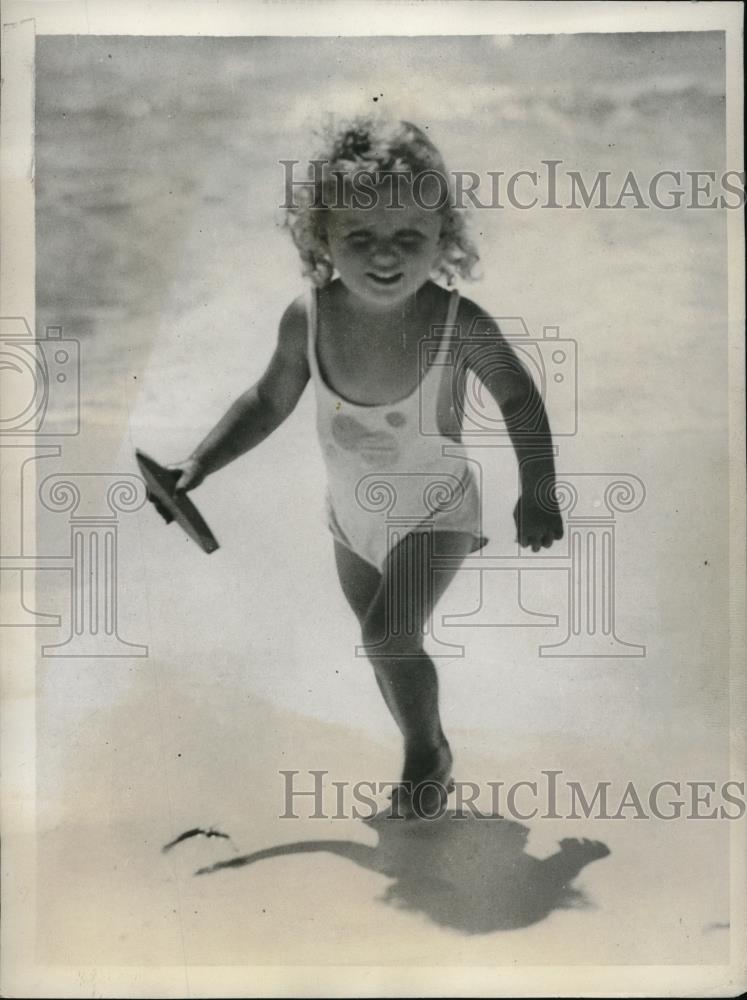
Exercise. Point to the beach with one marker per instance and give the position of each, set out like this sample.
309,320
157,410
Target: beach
161,249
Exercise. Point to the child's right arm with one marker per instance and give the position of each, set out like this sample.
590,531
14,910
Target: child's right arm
259,410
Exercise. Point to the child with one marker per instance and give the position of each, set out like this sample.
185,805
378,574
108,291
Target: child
386,409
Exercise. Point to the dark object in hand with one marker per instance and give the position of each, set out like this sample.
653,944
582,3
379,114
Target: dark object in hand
173,505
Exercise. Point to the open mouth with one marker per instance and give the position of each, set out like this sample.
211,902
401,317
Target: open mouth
385,279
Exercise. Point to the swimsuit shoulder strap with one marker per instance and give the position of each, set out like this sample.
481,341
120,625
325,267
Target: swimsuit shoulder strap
312,312
451,314
440,358
449,333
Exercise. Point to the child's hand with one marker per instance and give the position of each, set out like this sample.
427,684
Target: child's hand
535,525
191,474
186,476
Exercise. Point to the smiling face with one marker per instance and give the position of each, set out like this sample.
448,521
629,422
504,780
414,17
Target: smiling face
382,254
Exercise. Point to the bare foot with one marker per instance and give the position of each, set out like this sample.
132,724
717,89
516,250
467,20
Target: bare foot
431,764
426,782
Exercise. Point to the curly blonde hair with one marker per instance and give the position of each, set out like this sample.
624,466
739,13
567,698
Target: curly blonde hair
377,147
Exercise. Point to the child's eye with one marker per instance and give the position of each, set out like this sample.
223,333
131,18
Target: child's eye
359,239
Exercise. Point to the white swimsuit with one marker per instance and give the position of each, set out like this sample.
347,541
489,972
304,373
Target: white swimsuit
387,473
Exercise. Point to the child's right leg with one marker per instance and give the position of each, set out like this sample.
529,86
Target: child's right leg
393,609
360,582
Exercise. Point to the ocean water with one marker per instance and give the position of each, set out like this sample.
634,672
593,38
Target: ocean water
158,182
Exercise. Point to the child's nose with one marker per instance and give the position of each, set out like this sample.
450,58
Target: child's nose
384,254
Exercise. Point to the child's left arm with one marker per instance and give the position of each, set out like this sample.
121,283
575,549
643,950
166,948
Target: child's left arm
538,520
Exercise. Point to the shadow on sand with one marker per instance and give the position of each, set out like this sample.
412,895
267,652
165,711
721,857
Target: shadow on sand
465,872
